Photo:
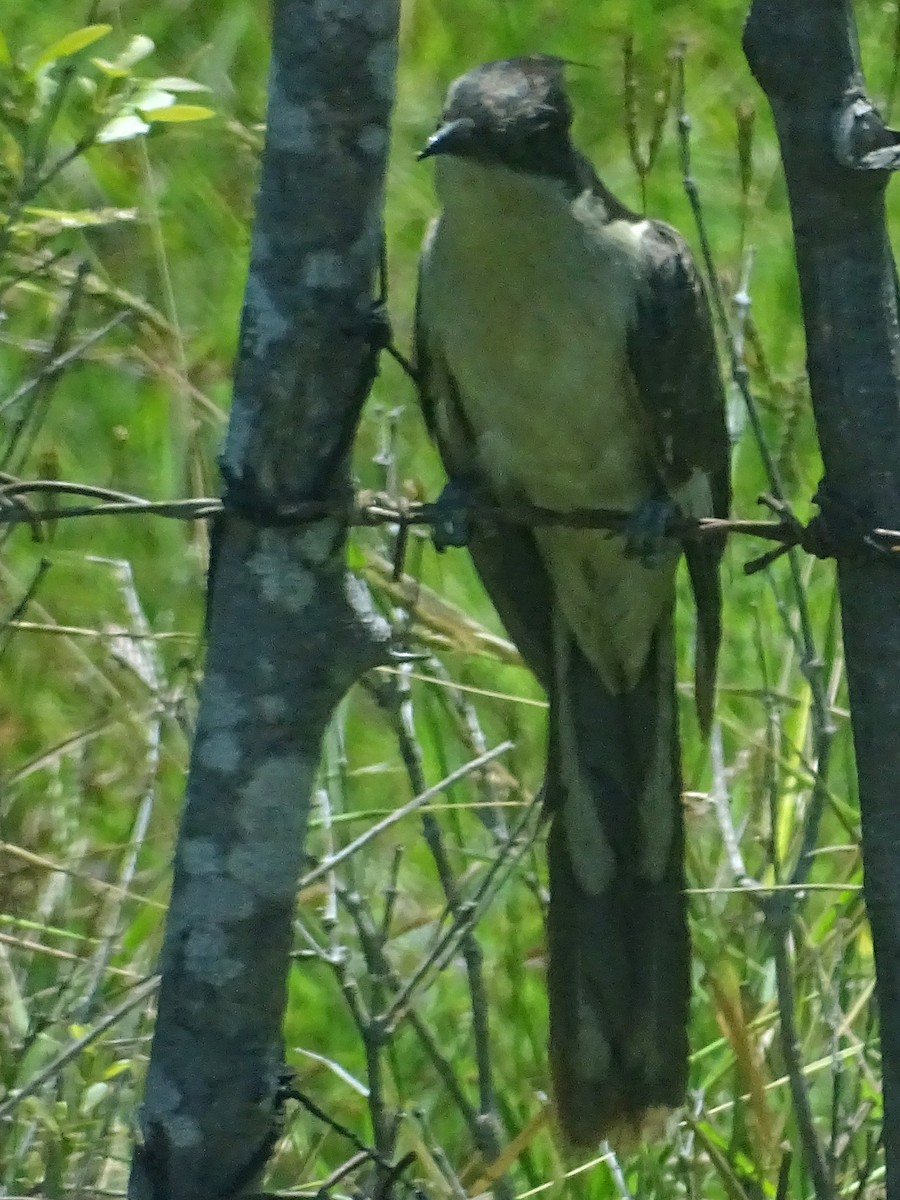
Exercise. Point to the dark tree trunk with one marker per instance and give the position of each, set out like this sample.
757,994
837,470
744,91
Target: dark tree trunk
289,628
836,156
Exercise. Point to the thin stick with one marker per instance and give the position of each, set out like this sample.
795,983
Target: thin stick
405,809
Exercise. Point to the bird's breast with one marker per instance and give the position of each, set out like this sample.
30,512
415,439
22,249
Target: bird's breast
530,301
532,313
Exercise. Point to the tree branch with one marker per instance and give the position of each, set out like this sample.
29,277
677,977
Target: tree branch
836,153
289,630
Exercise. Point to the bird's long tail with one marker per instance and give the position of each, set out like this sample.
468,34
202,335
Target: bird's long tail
619,954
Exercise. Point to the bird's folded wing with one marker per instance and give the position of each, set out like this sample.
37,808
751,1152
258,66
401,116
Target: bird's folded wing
505,555
672,355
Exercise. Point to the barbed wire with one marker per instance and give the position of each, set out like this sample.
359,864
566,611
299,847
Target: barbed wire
371,508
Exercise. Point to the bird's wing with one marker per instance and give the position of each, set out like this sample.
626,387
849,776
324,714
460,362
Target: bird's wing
672,355
506,557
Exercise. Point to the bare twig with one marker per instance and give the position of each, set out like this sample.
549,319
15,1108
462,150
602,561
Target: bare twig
403,811
110,920
718,794
8,623
394,696
778,921
469,914
28,423
378,965
55,365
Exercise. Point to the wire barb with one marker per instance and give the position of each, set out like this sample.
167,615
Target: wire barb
836,532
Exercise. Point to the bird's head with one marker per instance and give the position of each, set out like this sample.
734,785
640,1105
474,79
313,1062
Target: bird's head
514,113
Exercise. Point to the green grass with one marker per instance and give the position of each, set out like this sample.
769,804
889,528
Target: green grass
94,728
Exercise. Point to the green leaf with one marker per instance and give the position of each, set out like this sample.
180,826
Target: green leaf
79,39
5,56
123,129
182,112
93,1095
109,69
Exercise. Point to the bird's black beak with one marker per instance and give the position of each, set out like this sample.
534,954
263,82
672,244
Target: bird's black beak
453,138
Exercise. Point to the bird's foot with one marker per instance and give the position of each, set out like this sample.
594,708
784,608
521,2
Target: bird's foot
451,514
645,537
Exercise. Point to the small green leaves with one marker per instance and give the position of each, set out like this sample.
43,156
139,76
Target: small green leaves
65,47
120,67
181,112
149,107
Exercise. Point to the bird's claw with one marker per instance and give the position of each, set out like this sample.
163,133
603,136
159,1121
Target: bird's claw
645,537
451,515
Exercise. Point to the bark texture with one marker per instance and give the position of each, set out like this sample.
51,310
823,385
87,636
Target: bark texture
289,628
837,157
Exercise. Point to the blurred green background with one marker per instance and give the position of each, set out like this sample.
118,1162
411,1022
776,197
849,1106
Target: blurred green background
99,665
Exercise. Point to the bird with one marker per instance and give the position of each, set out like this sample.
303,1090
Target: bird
565,359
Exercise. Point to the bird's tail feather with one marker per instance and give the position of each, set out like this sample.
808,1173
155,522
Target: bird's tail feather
619,955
